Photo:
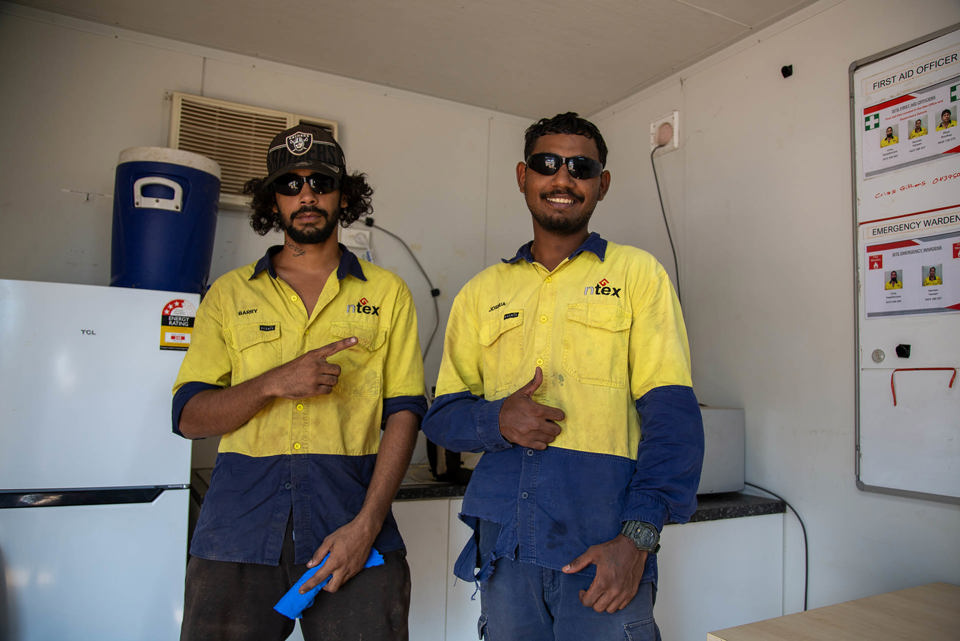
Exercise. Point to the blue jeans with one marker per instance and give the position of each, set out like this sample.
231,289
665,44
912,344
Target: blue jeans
522,601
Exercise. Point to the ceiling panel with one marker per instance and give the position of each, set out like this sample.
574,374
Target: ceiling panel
524,57
753,13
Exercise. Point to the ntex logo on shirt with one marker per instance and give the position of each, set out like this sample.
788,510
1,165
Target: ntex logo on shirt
602,289
362,306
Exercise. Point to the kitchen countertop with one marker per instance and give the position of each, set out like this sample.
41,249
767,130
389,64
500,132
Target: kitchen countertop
419,485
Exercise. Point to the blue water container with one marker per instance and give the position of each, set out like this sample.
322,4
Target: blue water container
164,219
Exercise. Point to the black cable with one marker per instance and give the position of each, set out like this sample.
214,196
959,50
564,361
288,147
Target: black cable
663,211
806,561
434,292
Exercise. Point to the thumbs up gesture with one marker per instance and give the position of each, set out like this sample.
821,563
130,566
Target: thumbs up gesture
527,423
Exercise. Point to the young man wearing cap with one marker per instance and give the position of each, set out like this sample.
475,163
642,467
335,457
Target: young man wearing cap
568,367
297,362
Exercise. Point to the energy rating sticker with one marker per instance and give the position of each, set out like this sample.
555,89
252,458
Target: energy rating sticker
176,324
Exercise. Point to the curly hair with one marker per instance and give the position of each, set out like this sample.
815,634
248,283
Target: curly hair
568,123
264,218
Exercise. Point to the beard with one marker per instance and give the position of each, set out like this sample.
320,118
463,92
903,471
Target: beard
559,224
311,235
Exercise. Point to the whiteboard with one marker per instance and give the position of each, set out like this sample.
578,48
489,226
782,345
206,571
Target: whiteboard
906,203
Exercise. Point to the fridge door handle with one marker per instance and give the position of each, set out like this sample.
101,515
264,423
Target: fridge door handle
102,496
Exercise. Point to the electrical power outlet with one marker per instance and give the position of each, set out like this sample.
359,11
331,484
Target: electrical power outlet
666,131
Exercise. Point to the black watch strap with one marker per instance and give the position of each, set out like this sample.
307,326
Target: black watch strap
644,535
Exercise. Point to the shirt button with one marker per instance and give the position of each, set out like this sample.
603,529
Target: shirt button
299,407
524,495
549,279
297,446
543,319
539,361
287,486
294,298
529,452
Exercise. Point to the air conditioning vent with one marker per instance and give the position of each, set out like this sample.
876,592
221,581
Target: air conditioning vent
234,135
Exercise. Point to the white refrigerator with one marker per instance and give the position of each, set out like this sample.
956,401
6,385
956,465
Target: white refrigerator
94,493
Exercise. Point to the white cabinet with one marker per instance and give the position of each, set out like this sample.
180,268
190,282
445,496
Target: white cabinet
716,574
463,599
424,527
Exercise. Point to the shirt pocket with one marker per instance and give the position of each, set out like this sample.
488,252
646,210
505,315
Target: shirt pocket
361,366
501,344
596,342
256,349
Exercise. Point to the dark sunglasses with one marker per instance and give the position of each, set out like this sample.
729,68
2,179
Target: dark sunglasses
580,167
291,184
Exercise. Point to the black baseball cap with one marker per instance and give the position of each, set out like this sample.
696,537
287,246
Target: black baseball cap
304,147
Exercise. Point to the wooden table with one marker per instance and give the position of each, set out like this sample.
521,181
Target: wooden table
928,613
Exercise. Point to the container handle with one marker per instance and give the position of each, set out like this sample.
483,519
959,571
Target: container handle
169,204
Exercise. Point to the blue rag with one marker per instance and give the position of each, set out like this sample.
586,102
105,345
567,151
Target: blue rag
293,603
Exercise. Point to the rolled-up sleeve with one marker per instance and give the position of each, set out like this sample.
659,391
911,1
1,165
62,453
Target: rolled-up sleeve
663,488
670,453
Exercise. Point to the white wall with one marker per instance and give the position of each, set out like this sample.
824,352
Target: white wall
76,94
759,197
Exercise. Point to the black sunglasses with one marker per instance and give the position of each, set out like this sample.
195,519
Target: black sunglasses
291,184
580,167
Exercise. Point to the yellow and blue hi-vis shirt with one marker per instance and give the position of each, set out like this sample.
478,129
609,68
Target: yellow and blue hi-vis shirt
606,329
311,457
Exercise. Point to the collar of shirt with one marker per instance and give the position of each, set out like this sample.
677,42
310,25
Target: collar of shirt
349,264
594,243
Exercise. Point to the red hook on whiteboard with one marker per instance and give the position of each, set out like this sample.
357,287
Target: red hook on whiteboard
920,369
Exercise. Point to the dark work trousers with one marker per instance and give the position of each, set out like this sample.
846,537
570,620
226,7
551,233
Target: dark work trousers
234,602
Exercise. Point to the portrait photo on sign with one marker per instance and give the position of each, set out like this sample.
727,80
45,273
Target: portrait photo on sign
919,128
932,275
893,281
890,136
948,118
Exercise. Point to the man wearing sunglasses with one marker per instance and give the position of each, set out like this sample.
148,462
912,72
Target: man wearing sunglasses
297,362
567,365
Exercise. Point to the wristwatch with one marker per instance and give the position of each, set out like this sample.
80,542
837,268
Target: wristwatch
644,535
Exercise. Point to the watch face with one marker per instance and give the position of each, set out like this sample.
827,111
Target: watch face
643,535
647,537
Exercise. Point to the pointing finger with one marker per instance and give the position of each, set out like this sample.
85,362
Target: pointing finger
336,346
